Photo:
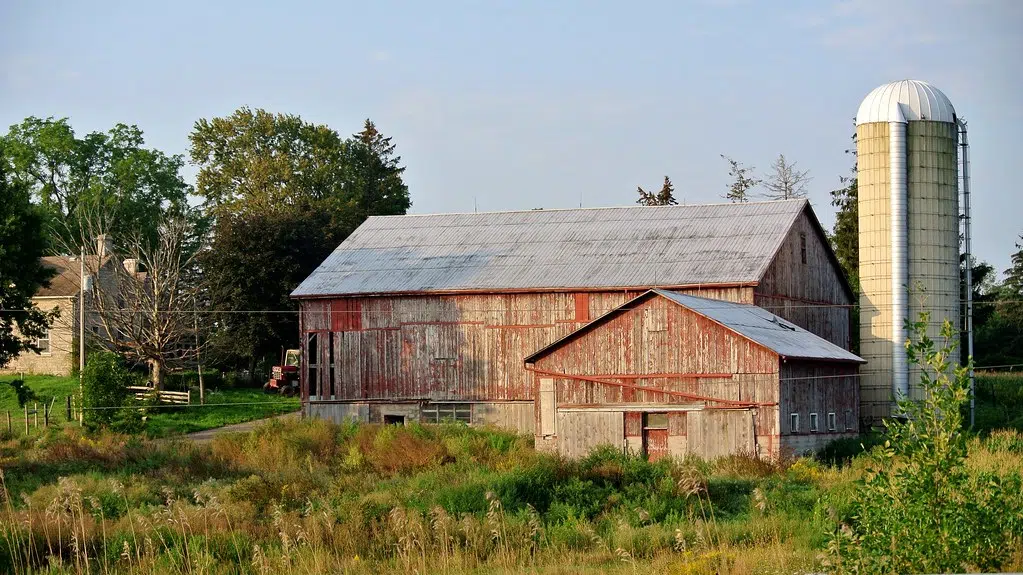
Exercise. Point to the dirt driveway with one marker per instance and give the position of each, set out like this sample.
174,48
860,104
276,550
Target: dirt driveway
209,434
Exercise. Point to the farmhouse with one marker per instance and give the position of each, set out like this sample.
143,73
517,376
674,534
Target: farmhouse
430,317
57,349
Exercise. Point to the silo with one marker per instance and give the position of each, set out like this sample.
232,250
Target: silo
907,173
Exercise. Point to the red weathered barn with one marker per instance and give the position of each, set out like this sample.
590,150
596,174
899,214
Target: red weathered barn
429,317
674,374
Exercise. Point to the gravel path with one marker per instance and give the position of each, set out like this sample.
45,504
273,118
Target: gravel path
208,434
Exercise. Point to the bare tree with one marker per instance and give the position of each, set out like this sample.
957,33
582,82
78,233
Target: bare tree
786,182
144,294
743,180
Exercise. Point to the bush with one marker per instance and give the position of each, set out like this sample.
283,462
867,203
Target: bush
920,509
24,392
104,390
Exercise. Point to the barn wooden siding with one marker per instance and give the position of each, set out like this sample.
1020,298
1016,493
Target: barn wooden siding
821,388
663,345
811,295
444,347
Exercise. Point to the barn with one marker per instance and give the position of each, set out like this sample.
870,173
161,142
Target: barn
430,317
674,374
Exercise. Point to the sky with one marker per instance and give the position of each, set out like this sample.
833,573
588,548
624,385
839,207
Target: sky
511,105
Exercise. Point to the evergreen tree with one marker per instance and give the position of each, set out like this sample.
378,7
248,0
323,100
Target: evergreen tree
665,197
845,236
743,181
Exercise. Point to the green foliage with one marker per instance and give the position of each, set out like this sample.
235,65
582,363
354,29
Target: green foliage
920,509
284,193
21,272
665,197
76,179
104,390
743,181
23,391
1013,289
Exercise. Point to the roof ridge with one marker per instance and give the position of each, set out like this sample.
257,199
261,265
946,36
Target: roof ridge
591,208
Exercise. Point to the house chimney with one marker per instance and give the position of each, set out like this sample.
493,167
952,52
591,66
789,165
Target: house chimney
131,265
104,245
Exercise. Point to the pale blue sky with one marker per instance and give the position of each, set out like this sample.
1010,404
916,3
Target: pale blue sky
535,104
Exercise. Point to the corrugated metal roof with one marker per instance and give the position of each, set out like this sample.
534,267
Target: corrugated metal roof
906,100
763,327
550,249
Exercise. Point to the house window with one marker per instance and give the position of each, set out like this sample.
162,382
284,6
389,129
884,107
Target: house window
43,343
802,247
813,422
794,423
447,413
850,424
832,421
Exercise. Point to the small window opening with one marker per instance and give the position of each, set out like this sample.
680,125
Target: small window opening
43,343
446,413
394,420
813,422
655,421
794,423
832,421
802,247
850,423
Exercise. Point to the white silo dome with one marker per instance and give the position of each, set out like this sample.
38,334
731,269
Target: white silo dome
905,100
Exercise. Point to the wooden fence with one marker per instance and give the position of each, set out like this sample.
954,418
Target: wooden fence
179,397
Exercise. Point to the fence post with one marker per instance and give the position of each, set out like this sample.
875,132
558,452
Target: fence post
188,398
26,418
67,407
35,413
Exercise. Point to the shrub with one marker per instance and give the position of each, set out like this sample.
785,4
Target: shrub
24,392
104,389
919,509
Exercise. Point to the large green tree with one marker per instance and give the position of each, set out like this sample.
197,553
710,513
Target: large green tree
21,271
283,193
845,236
110,178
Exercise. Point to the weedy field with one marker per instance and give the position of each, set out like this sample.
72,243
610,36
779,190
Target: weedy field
313,497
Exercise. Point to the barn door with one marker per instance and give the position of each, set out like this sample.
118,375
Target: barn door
655,435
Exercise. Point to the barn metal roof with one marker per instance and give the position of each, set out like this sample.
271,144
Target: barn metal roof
749,321
763,327
549,249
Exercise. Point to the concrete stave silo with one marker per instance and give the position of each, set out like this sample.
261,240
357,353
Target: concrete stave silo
907,171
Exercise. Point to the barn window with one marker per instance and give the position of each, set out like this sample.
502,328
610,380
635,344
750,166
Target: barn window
794,423
813,422
850,423
447,413
655,421
330,359
832,421
802,247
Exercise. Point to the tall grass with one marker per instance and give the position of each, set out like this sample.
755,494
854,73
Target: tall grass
312,497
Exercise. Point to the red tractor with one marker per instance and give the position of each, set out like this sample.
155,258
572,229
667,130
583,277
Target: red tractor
284,377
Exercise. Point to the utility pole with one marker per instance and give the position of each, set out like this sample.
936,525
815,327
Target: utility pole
81,332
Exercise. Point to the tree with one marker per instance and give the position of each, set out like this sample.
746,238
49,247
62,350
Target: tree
665,197
786,182
378,171
1012,291
112,173
920,508
845,236
742,181
146,301
284,193
22,241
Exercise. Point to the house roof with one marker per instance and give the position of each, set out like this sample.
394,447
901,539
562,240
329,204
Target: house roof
623,247
749,321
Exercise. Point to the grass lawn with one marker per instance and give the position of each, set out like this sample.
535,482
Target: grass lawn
223,407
